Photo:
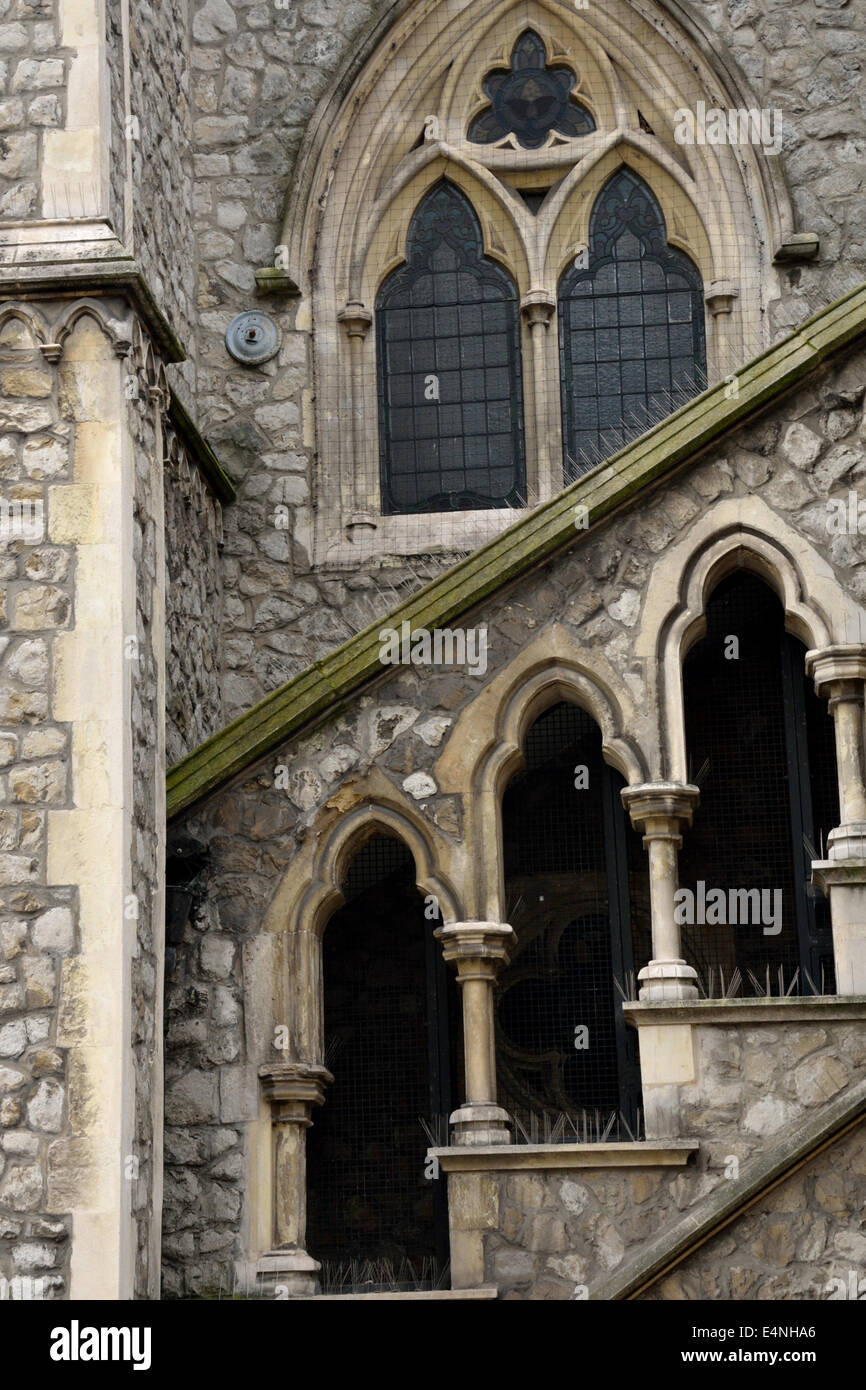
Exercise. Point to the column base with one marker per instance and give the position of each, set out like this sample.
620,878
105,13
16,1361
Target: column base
668,979
294,1270
480,1124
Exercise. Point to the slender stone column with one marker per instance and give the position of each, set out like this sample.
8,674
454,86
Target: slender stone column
356,320
661,810
538,308
839,674
478,949
293,1089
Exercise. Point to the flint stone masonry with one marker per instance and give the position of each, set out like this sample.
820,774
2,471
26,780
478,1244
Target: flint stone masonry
194,655
255,828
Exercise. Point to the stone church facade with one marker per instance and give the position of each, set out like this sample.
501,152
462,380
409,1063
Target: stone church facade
432,786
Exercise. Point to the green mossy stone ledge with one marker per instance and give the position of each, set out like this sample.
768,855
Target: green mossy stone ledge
325,686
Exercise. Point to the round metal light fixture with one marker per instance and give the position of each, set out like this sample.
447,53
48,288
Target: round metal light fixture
253,338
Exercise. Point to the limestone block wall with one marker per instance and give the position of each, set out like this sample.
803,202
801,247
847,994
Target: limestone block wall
38,918
258,72
397,743
83,805
34,68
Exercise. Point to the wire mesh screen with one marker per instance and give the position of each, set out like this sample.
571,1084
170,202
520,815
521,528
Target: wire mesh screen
368,1197
632,336
449,367
750,721
557,1010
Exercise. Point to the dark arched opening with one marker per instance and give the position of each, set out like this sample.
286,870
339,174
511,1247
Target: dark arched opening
763,746
567,846
390,1009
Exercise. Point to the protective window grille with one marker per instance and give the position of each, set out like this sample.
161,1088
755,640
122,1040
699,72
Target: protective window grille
450,379
566,874
530,100
770,787
389,1014
632,337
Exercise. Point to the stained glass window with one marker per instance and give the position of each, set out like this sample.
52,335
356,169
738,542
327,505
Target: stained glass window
530,99
450,386
631,327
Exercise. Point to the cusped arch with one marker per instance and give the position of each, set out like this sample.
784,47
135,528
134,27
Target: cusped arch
351,833
117,332
29,318
736,534
485,749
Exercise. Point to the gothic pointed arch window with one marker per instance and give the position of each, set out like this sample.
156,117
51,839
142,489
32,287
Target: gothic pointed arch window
632,336
465,363
450,383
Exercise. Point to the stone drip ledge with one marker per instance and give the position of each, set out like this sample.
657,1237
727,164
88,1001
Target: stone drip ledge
832,1008
671,1153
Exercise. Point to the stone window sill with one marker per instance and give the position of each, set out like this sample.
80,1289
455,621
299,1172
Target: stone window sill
821,1008
526,1157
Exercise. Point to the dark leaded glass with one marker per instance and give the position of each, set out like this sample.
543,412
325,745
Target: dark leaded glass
631,327
530,100
450,387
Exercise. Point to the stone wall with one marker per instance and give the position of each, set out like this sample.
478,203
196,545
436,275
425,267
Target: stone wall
161,165
549,1232
257,74
145,658
804,447
803,1241
38,924
194,629
33,74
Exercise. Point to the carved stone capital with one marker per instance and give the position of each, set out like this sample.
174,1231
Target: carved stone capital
839,672
661,809
293,1089
720,297
476,948
538,307
356,319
